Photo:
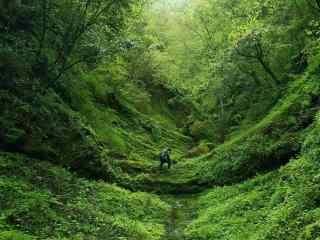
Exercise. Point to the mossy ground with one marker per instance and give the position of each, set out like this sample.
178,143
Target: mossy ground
49,196
283,204
48,202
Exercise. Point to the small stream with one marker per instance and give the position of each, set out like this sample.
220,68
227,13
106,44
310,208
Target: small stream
182,213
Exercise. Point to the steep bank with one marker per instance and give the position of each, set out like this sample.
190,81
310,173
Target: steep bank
92,91
283,204
45,201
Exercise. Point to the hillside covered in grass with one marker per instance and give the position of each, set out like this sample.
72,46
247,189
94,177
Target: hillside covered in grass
92,91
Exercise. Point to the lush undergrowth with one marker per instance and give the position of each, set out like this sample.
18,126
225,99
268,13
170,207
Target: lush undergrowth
48,202
283,204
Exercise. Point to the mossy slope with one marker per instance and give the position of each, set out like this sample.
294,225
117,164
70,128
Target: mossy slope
283,204
48,202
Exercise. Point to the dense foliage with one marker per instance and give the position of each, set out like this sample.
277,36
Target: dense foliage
92,90
235,57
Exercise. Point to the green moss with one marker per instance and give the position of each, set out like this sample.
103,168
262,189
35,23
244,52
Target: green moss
50,202
13,235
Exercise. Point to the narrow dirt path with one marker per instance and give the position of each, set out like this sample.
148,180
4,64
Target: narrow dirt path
182,213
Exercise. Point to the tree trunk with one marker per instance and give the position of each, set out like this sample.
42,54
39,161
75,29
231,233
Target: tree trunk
268,70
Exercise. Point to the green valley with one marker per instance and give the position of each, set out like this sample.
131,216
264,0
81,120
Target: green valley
93,91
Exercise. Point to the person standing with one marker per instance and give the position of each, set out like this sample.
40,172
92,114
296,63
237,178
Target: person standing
165,157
